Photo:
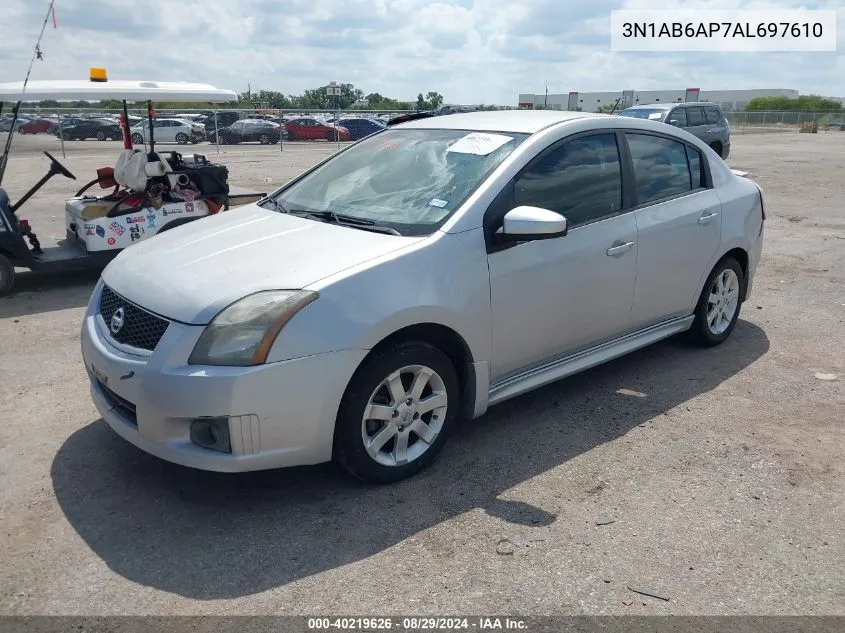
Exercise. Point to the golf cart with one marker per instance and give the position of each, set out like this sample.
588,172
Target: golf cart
148,191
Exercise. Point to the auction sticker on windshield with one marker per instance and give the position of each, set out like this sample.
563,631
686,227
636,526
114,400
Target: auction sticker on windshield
478,143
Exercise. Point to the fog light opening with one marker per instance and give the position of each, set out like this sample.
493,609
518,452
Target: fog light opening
211,433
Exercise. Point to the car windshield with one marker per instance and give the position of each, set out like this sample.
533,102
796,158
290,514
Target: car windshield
408,180
655,114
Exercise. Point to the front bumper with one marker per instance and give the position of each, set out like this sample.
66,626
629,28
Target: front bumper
279,414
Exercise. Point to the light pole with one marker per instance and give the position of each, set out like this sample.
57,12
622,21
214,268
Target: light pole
333,89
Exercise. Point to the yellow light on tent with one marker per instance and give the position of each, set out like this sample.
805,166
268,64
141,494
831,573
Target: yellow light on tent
98,74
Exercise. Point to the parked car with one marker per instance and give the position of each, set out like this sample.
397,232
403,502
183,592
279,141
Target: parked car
359,127
309,129
422,275
224,119
100,129
6,124
39,126
249,130
705,120
169,131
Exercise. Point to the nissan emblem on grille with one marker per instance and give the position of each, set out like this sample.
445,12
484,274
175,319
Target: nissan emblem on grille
130,324
117,321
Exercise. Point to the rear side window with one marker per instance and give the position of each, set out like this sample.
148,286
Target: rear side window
580,179
661,169
695,116
712,115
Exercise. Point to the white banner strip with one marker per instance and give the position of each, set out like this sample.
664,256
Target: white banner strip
765,30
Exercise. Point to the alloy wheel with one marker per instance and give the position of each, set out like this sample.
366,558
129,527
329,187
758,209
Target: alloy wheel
404,415
723,301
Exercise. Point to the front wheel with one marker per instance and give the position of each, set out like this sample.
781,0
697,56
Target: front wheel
101,136
718,306
396,413
137,139
182,138
7,276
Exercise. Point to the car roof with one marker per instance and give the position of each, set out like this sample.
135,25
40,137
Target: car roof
517,121
652,106
666,106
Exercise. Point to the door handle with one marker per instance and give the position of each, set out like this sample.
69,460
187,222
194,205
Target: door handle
705,219
619,249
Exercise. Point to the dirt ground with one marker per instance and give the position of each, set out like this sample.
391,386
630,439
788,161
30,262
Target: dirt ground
725,480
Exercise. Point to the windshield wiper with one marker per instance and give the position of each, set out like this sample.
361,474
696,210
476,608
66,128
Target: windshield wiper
346,220
331,216
276,204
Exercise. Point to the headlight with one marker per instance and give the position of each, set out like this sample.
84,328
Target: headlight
242,334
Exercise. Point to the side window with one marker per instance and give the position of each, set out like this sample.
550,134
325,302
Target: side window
711,115
679,115
695,168
580,179
695,116
660,167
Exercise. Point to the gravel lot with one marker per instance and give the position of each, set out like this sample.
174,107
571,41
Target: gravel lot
725,479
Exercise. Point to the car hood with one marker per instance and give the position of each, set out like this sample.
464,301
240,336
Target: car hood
191,273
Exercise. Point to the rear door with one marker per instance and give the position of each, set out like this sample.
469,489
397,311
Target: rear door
678,216
716,125
696,123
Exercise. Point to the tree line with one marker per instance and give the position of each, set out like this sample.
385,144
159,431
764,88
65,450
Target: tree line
313,99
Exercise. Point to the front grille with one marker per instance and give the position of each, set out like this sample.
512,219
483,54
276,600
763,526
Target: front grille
140,328
125,407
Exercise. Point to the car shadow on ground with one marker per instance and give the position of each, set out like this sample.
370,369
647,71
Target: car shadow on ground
208,536
35,293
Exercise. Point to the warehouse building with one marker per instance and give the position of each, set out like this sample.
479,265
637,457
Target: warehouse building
591,101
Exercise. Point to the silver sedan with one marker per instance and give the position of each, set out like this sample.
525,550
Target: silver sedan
417,277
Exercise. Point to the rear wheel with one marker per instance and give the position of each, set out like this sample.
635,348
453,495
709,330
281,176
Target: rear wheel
137,139
396,413
716,146
718,306
7,276
264,139
66,136
182,138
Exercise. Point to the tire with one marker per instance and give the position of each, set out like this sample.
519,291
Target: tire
716,146
330,136
264,139
182,138
7,276
704,330
101,136
368,386
137,139
65,136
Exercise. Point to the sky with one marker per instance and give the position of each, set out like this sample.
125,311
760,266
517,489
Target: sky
470,51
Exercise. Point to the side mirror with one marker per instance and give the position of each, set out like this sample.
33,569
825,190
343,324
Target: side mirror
532,223
674,122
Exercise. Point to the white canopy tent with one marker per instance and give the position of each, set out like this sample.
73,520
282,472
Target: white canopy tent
125,90
76,90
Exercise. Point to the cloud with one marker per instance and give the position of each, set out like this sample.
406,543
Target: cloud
471,51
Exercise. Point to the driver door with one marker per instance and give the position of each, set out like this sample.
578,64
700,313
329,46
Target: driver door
553,297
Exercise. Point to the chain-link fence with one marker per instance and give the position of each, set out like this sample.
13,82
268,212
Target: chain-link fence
73,130
785,121
69,128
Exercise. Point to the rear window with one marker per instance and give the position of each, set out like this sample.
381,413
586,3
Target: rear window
712,115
